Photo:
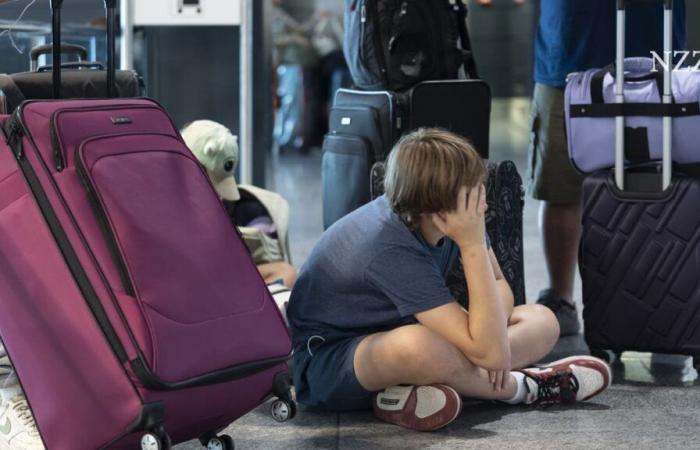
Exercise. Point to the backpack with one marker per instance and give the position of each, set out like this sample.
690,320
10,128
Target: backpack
395,44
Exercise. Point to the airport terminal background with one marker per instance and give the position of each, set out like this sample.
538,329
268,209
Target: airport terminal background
194,73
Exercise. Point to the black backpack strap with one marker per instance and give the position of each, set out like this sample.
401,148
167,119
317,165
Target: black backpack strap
13,95
469,63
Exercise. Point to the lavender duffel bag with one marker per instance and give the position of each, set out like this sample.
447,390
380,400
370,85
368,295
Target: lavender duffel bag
591,110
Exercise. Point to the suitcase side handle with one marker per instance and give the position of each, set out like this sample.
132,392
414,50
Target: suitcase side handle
111,7
620,93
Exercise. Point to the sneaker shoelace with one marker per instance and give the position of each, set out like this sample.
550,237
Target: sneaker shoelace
25,415
562,387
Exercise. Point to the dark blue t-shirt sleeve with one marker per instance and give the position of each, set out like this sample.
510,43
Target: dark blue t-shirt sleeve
410,278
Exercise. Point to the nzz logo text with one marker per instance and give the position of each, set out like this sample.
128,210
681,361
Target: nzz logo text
685,57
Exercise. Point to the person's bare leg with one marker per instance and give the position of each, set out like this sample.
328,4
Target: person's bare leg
415,355
561,231
533,331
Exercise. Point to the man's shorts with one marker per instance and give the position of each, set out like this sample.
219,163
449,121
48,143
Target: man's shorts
324,376
551,177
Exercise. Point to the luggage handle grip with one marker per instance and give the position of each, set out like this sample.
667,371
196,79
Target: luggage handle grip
47,49
81,65
111,6
667,96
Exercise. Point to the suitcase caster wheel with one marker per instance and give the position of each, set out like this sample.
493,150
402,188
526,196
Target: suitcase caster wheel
223,442
155,441
283,410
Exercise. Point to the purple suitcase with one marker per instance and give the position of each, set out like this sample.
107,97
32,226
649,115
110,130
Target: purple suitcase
640,253
132,310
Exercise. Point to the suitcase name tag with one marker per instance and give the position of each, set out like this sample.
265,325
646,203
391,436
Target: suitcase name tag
346,121
121,120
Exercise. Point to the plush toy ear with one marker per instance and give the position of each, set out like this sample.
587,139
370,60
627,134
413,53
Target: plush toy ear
209,149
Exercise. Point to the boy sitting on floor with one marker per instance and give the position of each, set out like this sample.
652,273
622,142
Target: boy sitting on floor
374,325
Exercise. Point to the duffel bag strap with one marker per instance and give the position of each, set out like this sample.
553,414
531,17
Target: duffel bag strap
598,82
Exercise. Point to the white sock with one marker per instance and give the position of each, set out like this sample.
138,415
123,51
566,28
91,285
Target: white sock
521,391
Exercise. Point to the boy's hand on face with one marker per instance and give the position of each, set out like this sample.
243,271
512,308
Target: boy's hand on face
466,225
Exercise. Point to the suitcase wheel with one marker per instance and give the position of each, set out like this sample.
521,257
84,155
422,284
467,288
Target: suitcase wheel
696,362
283,410
223,442
156,440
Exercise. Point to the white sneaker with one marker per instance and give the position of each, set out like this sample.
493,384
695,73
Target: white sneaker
420,408
18,430
574,379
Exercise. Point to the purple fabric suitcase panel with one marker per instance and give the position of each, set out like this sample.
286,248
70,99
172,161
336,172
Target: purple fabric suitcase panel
639,263
181,256
591,140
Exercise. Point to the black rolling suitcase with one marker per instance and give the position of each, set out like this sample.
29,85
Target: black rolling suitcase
79,79
640,251
365,125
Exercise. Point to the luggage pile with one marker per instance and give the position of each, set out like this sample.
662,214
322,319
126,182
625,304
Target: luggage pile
131,310
640,249
413,67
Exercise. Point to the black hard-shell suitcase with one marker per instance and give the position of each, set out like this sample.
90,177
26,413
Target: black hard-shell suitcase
365,125
640,250
640,260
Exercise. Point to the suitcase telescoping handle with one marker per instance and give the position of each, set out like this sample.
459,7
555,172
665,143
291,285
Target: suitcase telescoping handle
111,7
620,92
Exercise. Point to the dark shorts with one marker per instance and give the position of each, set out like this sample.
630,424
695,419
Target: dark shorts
324,376
551,176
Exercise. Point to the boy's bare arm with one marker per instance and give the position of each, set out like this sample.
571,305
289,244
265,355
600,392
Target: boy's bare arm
482,334
505,293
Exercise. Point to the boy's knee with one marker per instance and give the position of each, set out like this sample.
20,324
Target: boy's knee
422,350
545,320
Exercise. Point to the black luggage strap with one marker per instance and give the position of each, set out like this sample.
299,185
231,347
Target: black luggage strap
598,107
635,109
469,63
12,93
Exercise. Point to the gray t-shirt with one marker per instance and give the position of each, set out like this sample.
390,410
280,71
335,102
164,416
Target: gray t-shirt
368,273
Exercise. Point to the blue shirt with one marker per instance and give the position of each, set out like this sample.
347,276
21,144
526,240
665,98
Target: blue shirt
575,35
368,273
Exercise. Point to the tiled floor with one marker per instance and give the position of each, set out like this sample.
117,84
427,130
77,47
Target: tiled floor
653,403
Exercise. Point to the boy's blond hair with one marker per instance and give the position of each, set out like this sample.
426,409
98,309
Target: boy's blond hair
426,170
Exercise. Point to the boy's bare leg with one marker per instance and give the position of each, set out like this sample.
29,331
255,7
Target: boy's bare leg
415,355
